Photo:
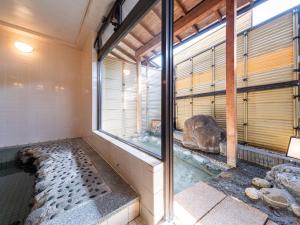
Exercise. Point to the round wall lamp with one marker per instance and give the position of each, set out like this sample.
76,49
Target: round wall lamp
23,47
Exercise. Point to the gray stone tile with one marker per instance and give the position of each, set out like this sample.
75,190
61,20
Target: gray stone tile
193,203
232,211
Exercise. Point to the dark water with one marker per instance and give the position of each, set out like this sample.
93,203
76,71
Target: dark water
16,191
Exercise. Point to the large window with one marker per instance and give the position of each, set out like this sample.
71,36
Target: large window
130,104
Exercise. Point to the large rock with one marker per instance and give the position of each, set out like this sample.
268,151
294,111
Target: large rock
155,127
285,179
286,176
201,132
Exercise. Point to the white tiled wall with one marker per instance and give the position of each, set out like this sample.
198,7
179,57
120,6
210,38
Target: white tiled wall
143,172
38,91
48,95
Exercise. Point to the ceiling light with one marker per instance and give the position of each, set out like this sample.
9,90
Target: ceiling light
126,72
23,47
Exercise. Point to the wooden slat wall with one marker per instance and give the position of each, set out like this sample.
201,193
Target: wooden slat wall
243,23
183,111
118,97
129,99
154,96
112,103
151,96
265,55
270,119
271,52
202,73
184,78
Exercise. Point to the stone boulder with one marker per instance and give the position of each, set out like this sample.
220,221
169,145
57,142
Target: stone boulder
155,127
286,176
285,179
202,133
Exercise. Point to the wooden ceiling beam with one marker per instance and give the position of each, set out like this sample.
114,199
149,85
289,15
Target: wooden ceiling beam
145,27
136,38
126,53
128,44
152,44
178,38
219,14
117,56
195,27
181,6
198,13
156,13
150,62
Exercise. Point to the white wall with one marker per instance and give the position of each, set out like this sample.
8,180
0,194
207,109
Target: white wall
143,172
88,78
51,94
38,91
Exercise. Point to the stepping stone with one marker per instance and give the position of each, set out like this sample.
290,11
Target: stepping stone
232,211
193,203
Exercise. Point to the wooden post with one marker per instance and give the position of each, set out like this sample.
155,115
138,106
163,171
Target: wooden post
231,108
138,96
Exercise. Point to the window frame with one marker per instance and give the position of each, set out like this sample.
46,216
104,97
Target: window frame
167,89
141,9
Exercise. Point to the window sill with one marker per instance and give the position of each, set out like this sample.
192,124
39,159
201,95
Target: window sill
150,160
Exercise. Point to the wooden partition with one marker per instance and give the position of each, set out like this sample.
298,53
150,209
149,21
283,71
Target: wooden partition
266,82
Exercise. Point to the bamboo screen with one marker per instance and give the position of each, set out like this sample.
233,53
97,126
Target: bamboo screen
265,55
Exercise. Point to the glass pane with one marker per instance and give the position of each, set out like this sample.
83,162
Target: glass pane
265,56
131,86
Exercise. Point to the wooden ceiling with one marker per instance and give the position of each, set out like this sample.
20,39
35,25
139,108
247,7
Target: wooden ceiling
190,16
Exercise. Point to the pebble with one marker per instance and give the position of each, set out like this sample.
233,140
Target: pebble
253,193
261,183
275,197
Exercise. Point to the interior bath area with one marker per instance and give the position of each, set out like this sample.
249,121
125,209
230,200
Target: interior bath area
149,112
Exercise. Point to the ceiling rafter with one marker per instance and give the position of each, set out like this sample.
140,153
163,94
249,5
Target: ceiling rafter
150,62
156,13
183,9
125,52
181,6
199,13
118,56
219,14
136,38
128,44
178,38
149,31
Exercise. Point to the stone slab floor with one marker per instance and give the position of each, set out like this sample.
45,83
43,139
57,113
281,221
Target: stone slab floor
202,204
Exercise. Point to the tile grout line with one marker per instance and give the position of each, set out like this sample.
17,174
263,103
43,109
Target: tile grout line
211,209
